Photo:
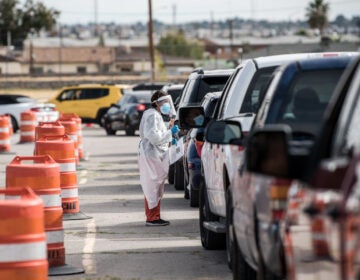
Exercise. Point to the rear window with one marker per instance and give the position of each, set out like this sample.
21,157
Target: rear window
210,84
195,90
307,99
256,90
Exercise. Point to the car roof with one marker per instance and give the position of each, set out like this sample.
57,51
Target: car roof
15,96
274,60
209,73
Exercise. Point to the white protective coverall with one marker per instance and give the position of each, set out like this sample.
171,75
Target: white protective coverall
153,157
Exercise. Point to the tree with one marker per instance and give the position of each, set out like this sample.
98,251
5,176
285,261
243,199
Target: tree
176,44
317,15
20,21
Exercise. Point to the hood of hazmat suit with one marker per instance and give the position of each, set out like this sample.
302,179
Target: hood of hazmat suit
153,157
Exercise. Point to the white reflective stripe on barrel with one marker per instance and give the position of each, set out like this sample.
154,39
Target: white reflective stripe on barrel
6,141
4,129
30,251
28,123
56,236
67,193
68,167
73,137
51,200
27,133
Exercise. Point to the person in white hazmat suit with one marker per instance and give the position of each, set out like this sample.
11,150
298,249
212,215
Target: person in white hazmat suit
153,156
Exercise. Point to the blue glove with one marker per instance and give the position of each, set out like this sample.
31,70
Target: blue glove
174,142
174,129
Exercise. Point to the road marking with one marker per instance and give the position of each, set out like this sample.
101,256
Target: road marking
88,259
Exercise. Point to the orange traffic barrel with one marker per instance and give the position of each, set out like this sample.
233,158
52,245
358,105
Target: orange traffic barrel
49,129
28,122
77,119
61,149
22,236
42,175
11,129
4,134
71,130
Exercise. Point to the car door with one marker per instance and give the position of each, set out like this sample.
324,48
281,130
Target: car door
68,100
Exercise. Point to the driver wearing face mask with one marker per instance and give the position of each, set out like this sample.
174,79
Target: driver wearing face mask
153,159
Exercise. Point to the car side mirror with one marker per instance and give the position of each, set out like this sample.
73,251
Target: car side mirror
223,132
267,151
192,117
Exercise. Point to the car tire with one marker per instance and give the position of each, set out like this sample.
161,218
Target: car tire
229,228
100,117
186,190
178,175
130,131
14,124
209,240
171,174
240,268
194,197
108,129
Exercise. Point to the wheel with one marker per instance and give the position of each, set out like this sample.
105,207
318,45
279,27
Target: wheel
130,131
186,191
108,129
194,197
229,228
178,175
14,124
100,117
209,240
171,174
241,269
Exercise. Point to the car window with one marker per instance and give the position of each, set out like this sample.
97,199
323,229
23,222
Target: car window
174,93
306,100
93,93
256,90
68,94
188,88
210,107
209,84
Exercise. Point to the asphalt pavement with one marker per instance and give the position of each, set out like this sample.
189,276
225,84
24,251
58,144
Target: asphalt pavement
114,242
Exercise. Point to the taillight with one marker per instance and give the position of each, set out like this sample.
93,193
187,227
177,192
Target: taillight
35,109
198,146
140,107
278,198
190,165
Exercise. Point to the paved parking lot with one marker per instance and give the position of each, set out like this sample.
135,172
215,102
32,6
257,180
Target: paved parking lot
114,243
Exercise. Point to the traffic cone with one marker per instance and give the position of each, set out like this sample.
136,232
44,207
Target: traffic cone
42,175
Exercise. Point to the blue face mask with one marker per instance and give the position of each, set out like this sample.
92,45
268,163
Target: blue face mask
165,108
199,120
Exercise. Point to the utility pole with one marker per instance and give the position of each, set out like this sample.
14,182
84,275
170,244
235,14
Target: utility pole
151,43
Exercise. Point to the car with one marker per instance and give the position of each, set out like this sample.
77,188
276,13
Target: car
199,83
89,101
240,100
325,232
127,113
192,153
258,202
14,104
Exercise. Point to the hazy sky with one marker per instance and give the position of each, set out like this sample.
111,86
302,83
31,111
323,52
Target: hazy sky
130,11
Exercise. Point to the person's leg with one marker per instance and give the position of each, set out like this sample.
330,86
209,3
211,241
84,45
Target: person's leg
152,214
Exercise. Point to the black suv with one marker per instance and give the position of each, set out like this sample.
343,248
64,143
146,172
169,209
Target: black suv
198,84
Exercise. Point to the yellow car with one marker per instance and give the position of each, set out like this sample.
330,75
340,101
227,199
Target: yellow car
89,101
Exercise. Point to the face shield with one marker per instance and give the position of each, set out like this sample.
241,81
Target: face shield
166,106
